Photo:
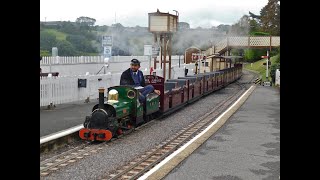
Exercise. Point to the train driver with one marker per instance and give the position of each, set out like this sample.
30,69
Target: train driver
134,77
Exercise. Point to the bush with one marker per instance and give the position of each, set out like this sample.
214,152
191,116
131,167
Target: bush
47,41
275,51
66,48
44,53
237,52
259,34
252,55
81,43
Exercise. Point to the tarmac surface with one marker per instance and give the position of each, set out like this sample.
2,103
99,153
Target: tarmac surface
64,116
246,147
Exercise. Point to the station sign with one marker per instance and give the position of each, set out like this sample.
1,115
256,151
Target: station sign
147,50
106,41
107,51
155,50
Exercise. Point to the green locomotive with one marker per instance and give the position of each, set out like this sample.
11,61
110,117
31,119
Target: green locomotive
120,113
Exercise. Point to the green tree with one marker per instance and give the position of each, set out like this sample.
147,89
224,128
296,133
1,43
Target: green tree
183,26
85,21
118,27
237,52
270,17
252,55
102,28
65,48
80,43
254,26
47,41
90,35
242,27
275,52
223,28
69,27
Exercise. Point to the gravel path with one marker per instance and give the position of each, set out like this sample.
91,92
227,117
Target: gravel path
111,157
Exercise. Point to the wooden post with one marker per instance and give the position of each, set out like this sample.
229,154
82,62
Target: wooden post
227,43
170,53
161,45
155,59
165,56
225,63
214,66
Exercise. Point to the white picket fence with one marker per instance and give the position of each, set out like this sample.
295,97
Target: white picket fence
64,89
58,90
49,60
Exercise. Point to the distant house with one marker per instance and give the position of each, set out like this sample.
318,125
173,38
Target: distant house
189,57
51,23
54,23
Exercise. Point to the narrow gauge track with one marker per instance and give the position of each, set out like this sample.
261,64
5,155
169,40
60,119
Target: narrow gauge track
148,160
87,148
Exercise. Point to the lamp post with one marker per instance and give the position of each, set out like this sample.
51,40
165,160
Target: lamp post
199,59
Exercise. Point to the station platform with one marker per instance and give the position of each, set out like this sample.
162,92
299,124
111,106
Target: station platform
242,143
247,146
64,116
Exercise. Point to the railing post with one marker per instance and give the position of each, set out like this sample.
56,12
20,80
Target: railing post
270,43
50,91
228,43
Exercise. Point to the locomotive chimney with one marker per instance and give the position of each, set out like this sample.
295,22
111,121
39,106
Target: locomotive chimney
101,98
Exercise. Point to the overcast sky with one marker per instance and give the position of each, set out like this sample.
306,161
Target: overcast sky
204,13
